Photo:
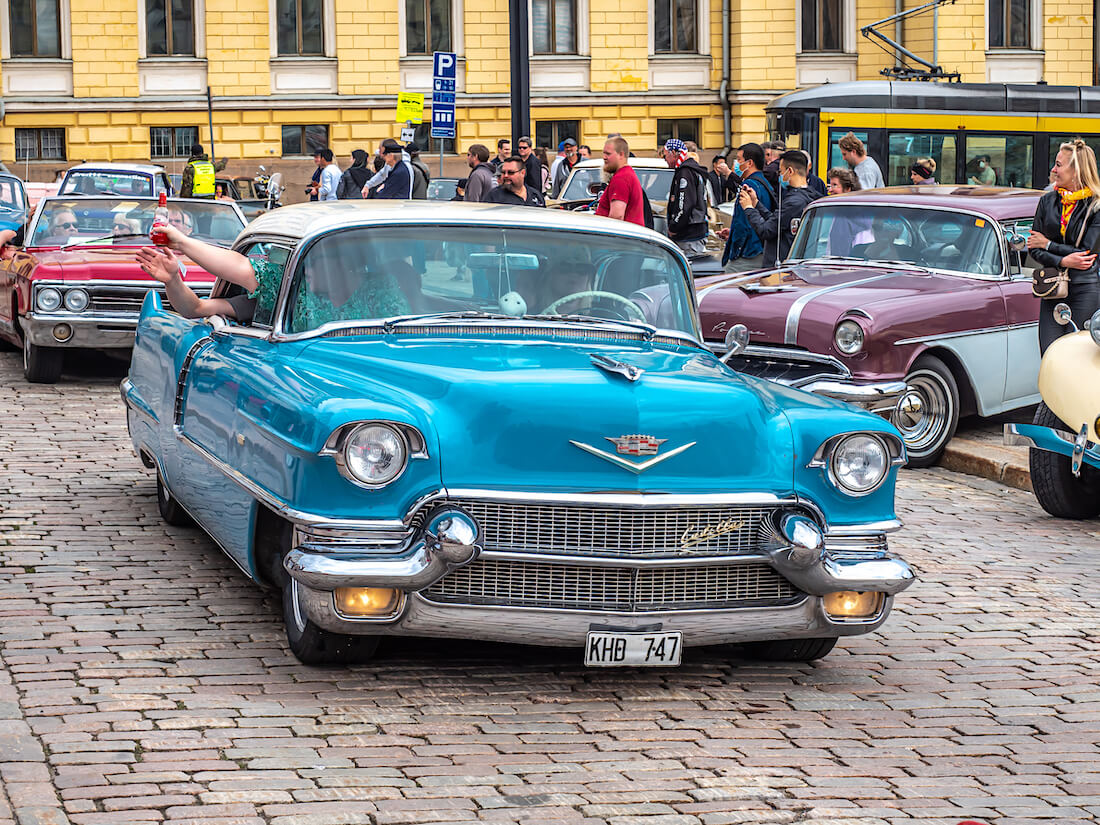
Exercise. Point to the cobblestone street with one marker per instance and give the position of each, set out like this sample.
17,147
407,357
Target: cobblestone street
144,679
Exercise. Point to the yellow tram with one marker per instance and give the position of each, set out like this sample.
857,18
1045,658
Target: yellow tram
1014,129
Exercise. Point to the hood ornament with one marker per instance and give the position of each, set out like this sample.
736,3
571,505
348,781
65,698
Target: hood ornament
627,371
633,445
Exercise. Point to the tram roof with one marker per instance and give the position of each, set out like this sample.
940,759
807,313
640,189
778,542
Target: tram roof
885,95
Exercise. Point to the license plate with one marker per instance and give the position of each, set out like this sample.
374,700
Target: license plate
632,649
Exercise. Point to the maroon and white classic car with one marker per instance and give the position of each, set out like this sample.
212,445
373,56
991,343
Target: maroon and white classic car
76,284
914,302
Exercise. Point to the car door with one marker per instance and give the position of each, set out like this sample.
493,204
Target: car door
1022,319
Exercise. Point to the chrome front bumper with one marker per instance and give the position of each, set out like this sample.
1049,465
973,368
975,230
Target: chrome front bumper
88,330
880,398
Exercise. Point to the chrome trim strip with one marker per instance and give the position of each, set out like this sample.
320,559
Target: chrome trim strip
1013,438
621,499
790,329
636,467
126,389
181,379
625,562
946,336
796,356
890,526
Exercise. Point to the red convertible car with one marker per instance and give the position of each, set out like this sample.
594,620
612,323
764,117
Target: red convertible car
914,302
76,282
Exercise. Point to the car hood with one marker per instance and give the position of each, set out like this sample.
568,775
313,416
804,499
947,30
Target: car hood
101,264
505,415
790,304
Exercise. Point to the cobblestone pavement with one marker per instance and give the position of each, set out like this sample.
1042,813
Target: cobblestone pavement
144,679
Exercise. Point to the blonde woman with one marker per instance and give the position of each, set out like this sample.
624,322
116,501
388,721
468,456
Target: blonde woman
923,172
1065,234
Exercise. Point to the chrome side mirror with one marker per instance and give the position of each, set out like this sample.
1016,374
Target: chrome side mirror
595,188
737,341
1064,316
1017,242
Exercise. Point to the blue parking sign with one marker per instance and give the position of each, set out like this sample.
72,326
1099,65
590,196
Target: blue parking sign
444,72
444,64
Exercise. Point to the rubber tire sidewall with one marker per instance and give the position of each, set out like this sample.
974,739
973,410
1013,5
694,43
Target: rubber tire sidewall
313,645
791,650
170,509
41,365
930,363
1057,490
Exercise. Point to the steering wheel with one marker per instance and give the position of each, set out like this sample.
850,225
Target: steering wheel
630,307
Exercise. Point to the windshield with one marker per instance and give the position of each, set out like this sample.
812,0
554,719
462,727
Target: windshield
442,189
655,182
65,221
11,195
380,272
949,241
91,182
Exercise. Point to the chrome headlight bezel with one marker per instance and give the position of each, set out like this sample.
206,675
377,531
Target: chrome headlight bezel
1094,327
412,446
853,337
76,300
48,299
826,458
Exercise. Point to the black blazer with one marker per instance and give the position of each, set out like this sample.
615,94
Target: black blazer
1048,222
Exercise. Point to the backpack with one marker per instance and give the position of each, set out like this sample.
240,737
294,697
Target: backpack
647,210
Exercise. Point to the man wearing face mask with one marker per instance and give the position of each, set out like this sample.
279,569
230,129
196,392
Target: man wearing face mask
744,250
981,172
776,229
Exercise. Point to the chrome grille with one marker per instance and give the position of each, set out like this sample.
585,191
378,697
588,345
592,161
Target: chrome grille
129,298
521,527
510,583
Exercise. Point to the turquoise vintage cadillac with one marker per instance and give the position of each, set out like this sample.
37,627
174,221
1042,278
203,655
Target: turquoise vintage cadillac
501,423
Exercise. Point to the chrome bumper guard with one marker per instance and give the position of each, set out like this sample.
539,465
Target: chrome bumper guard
880,398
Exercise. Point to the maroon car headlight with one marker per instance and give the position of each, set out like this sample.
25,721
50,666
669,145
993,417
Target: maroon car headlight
848,337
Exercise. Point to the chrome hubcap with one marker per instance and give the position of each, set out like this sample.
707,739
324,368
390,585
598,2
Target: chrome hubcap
924,413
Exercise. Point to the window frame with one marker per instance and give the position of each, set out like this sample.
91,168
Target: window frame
675,131
698,37
323,7
38,132
575,10
557,135
175,142
62,31
1004,26
819,7
306,151
430,47
168,29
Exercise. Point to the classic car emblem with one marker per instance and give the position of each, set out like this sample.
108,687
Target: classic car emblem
636,444
633,445
694,535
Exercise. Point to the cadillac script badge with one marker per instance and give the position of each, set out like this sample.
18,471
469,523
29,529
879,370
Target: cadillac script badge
633,445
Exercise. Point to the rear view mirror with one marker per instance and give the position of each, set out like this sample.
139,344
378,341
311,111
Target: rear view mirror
496,260
595,188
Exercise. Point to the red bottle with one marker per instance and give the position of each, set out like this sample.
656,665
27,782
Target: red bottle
160,220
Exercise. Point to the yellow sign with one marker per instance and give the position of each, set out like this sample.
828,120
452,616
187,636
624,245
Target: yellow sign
410,107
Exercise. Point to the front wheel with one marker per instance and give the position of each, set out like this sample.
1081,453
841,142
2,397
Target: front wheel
41,365
790,650
170,509
928,413
313,645
1057,489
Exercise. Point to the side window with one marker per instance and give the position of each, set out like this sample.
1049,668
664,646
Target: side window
1016,233
269,263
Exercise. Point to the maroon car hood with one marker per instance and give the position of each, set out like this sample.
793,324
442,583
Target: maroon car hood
116,264
794,304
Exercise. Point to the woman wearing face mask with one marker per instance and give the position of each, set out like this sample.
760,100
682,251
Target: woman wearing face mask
1065,234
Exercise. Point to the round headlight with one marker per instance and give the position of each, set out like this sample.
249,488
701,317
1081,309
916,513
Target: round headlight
848,337
375,454
1094,327
859,464
76,300
49,299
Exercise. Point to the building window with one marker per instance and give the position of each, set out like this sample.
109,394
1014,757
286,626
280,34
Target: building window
300,29
1009,24
674,26
684,128
422,137
304,140
169,27
822,26
40,144
35,28
427,26
554,26
550,133
172,141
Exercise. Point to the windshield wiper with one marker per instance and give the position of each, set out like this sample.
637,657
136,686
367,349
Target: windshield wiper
106,238
389,324
903,264
648,329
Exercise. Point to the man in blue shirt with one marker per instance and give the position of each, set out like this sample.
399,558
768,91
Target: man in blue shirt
744,250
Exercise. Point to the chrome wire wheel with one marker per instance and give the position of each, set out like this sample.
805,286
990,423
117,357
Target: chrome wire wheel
928,413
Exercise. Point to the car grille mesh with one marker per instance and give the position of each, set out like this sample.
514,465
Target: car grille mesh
130,298
621,532
509,583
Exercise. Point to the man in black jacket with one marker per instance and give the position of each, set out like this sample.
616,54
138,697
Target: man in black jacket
777,229
687,200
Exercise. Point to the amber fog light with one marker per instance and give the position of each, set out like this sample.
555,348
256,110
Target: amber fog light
62,332
367,602
851,604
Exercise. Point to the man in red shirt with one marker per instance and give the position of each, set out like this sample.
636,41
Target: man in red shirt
622,199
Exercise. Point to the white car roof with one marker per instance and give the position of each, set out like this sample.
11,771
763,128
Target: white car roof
641,163
144,168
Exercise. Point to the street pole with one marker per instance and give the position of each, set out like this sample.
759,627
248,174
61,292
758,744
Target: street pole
210,120
521,71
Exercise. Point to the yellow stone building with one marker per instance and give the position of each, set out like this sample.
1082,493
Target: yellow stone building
127,79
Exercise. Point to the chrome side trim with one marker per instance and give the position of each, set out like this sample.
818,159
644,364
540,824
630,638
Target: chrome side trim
622,499
796,356
794,314
890,526
619,561
946,336
181,380
134,404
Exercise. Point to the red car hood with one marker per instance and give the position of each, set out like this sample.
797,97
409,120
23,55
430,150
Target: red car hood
100,264
792,305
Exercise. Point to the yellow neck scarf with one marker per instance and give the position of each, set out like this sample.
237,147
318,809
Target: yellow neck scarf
1069,200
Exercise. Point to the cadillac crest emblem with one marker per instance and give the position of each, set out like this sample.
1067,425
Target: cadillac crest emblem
633,445
636,444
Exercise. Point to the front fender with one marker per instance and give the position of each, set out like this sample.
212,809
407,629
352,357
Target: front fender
1054,441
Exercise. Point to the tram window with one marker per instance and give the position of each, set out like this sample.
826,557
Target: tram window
906,147
998,160
1056,141
835,158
